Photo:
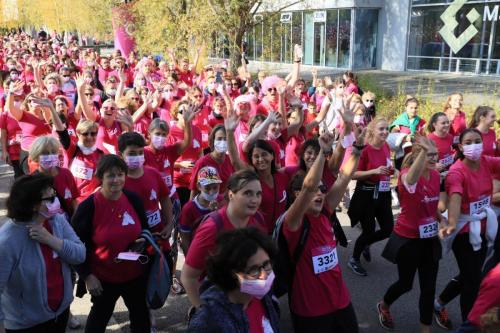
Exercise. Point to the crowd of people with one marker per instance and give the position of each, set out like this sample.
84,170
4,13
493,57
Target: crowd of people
245,177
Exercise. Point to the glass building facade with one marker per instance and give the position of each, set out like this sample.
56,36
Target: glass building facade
328,38
427,50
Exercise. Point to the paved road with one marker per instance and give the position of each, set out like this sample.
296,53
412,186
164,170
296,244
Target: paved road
365,291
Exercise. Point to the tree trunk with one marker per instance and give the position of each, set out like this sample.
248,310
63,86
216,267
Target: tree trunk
235,41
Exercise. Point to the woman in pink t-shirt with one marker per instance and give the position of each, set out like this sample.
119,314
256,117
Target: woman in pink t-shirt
472,224
319,299
414,244
483,120
454,112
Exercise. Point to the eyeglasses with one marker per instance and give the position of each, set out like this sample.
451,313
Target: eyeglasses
254,271
323,188
432,155
50,199
135,98
66,75
106,108
272,89
234,83
89,134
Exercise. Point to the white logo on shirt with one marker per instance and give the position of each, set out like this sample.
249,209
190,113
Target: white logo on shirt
266,326
166,164
127,219
283,198
427,199
67,194
196,144
54,255
153,195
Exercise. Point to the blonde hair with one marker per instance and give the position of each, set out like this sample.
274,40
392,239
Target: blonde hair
367,95
447,105
41,145
53,76
370,129
85,125
175,110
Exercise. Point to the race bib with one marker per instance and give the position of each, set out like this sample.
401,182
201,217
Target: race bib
154,218
79,170
282,154
204,137
429,230
384,186
477,206
448,160
168,180
324,259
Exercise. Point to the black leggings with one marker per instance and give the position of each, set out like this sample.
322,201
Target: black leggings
340,321
466,283
379,209
184,194
56,325
417,254
134,296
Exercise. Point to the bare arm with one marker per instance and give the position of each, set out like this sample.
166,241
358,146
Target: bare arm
418,165
121,85
296,66
231,122
454,204
188,117
15,112
258,131
325,106
190,280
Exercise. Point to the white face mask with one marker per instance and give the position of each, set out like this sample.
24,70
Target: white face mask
473,151
158,141
209,197
220,146
52,88
17,104
48,162
86,150
257,288
359,119
134,162
111,92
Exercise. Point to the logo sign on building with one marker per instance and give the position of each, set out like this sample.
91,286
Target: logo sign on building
286,17
449,19
319,16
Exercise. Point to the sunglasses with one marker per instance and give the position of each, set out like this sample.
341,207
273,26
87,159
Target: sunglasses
106,108
89,95
89,134
66,75
272,89
135,98
432,155
323,188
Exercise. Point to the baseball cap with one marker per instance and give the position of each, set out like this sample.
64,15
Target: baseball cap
208,175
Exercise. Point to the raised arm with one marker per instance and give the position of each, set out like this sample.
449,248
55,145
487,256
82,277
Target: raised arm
259,130
346,140
47,104
417,168
325,106
231,123
188,117
15,112
81,103
295,214
297,58
122,79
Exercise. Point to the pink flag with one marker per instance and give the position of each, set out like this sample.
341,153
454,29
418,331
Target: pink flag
123,27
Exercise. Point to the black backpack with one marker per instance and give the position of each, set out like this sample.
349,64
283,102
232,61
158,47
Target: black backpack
284,265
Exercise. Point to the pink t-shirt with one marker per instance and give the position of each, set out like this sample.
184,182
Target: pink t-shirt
489,143
372,158
182,176
163,160
14,135
418,207
225,170
274,201
444,148
107,137
32,127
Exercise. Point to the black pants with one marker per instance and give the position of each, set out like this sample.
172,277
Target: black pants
134,296
57,325
467,282
415,255
184,194
369,210
340,321
23,162
18,171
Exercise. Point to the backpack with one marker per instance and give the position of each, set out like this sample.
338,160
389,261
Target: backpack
284,264
160,277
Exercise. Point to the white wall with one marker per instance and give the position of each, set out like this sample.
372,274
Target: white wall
393,34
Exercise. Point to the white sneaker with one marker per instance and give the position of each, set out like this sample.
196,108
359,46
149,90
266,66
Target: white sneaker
73,322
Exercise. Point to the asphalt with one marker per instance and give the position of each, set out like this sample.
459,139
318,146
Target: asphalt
365,291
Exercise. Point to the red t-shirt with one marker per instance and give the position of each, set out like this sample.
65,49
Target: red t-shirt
214,121
115,226
83,168
205,236
475,186
293,147
191,212
241,132
328,177
14,134
201,121
142,124
182,176
488,297
53,273
407,130
281,142
186,77
489,143
32,127
273,202
107,138
418,207
256,314
457,126
444,148
225,170
150,187
163,160
371,158
318,287
66,188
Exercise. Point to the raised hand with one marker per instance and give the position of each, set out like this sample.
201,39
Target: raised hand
80,82
272,117
326,141
231,122
281,88
423,141
189,114
121,75
359,135
297,52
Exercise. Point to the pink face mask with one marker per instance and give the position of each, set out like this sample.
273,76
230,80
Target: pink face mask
48,162
53,208
158,141
134,162
52,88
257,288
473,151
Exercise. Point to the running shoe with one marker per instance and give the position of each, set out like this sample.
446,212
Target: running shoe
442,319
366,254
356,267
384,317
177,287
73,322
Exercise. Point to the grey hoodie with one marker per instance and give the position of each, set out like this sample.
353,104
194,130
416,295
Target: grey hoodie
23,283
